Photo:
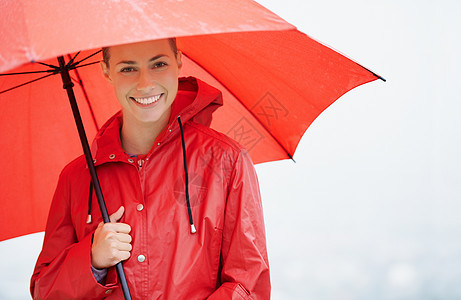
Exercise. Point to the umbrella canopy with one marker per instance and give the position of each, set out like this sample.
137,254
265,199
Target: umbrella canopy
275,81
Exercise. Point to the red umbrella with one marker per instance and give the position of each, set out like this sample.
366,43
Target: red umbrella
275,81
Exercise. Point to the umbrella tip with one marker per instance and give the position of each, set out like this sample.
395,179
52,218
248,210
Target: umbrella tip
378,76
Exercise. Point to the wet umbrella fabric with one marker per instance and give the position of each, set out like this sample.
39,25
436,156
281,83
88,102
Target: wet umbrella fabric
275,81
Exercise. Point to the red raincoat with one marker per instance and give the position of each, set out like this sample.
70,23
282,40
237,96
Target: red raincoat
225,259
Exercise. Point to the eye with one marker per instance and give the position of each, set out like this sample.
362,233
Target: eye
160,65
127,69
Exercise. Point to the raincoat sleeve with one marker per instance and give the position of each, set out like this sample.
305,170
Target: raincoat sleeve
63,269
245,267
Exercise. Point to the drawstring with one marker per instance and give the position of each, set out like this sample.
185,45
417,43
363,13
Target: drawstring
192,227
189,211
88,219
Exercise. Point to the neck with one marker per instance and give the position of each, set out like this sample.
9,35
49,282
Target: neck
139,137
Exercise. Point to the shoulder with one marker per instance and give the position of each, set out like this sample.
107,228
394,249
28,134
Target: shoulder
75,169
217,148
73,180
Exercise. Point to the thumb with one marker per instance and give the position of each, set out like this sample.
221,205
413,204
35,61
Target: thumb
117,215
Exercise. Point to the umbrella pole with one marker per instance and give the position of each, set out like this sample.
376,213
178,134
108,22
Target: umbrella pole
68,86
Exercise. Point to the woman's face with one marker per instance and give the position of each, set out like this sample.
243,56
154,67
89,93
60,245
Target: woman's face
145,79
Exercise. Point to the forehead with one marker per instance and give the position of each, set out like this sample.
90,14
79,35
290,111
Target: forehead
140,51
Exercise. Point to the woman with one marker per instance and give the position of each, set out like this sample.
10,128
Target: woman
209,247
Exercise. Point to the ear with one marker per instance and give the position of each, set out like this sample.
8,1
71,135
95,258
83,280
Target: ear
105,71
179,59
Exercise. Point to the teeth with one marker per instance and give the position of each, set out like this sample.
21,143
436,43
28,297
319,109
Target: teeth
148,100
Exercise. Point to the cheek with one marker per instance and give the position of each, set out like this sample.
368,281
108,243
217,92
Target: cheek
172,80
122,86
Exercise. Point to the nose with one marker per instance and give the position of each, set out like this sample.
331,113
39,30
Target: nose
145,82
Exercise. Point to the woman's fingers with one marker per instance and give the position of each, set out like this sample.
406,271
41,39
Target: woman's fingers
111,242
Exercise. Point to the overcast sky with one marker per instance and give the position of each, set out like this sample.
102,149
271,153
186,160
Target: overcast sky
371,208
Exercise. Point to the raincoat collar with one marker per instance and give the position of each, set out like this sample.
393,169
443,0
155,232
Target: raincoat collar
196,101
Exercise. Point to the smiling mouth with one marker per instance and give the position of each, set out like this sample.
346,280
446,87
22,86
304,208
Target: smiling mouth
147,100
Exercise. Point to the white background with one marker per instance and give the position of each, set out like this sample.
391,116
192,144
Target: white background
371,208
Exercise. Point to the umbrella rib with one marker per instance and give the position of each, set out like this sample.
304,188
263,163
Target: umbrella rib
88,64
20,85
85,94
31,72
91,55
71,59
252,114
374,74
48,65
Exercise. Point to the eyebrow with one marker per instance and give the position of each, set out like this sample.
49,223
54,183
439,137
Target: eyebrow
131,62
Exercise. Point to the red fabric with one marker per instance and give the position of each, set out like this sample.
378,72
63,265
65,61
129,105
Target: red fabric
29,33
275,81
225,259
